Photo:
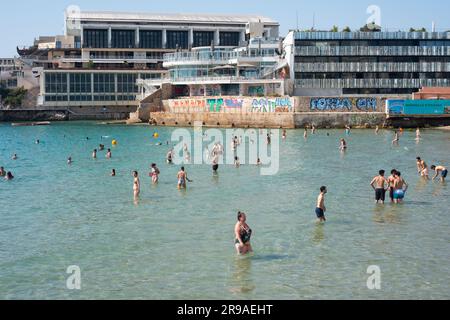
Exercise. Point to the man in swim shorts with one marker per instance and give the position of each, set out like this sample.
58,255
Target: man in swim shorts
440,170
400,187
391,181
182,178
379,184
320,208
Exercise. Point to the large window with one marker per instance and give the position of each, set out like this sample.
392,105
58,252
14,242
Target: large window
80,87
150,39
55,83
123,39
126,87
104,83
203,38
177,39
229,39
94,38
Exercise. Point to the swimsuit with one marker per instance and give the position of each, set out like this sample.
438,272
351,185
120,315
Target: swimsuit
320,213
380,194
245,235
444,173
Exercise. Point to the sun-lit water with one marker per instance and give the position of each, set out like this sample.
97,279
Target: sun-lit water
179,245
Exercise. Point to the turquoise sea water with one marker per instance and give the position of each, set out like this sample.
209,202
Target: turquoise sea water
179,245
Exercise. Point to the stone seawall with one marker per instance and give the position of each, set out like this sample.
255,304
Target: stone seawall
55,115
270,120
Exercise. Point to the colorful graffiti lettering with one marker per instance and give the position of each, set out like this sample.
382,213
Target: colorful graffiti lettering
215,105
343,104
189,103
234,103
272,105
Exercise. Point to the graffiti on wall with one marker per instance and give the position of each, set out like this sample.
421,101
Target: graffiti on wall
343,104
232,104
272,105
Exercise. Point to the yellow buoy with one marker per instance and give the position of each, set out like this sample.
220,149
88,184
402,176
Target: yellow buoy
114,142
156,135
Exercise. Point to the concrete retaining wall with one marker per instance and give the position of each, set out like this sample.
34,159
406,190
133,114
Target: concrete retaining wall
55,115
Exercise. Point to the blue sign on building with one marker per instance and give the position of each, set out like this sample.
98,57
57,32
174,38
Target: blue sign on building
417,107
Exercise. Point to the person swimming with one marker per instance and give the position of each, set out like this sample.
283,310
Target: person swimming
101,147
2,172
109,154
440,170
94,154
243,234
9,176
113,172
136,185
154,174
69,160
15,157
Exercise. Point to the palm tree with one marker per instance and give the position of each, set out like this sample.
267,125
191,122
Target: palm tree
335,29
346,29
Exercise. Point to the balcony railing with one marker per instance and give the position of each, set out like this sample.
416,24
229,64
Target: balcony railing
373,67
371,35
211,56
371,83
371,51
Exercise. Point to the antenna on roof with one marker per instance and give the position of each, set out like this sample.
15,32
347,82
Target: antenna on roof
433,27
296,17
314,22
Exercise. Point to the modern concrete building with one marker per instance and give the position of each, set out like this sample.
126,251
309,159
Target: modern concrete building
336,63
9,72
103,55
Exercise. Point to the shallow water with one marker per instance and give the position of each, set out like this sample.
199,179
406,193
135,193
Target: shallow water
179,245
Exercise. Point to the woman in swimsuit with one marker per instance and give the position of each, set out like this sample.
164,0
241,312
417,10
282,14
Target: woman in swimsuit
243,233
136,184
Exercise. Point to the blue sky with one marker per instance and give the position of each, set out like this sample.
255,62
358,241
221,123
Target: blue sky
22,21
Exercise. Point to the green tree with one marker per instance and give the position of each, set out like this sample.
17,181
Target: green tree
347,29
15,97
335,29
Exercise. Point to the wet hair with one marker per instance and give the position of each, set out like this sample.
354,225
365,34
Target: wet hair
9,175
418,158
433,167
382,172
322,189
393,171
240,215
398,173
153,165
236,158
135,173
109,150
182,168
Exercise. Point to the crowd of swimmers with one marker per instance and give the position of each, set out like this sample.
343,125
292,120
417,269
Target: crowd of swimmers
395,184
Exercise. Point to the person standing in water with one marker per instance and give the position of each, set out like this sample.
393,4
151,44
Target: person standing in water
284,135
182,178
400,187
343,145
108,154
113,172
69,161
305,134
155,173
320,208
243,234
396,138
377,130
269,139
136,185
237,163
418,135
2,172
347,130
313,129
391,183
380,185
215,161
15,157
169,156
440,170
94,154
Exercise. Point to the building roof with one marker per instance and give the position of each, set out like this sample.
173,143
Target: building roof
173,17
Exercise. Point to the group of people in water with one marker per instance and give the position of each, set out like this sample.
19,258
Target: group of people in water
7,175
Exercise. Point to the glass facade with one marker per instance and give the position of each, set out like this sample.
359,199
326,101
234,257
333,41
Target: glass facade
376,63
178,39
95,38
123,39
203,38
150,39
126,87
89,87
229,38
56,83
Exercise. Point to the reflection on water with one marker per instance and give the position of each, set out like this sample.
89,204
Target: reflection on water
242,281
319,234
